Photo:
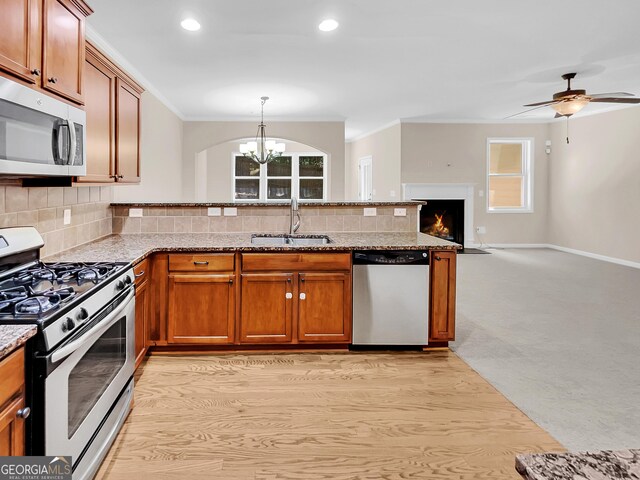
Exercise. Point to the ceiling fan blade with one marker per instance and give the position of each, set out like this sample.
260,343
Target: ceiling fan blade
527,111
616,100
542,104
611,94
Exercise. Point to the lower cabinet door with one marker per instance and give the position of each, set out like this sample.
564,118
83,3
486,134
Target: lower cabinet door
201,309
12,429
266,308
142,319
442,309
324,307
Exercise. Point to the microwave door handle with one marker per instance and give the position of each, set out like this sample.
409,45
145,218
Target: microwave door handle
92,334
72,142
56,143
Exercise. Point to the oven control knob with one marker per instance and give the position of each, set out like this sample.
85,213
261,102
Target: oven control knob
82,315
127,280
68,324
120,285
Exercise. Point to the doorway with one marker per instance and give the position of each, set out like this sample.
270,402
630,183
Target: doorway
365,179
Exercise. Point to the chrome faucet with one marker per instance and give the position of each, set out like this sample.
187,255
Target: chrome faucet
294,225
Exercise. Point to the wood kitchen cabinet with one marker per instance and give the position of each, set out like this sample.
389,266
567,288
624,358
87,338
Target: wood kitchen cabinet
202,299
295,298
112,104
442,306
13,411
42,44
324,307
143,310
267,308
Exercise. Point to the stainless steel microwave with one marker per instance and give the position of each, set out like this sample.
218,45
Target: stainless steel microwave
39,135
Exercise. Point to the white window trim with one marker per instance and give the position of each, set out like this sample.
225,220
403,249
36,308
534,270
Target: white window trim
295,179
527,174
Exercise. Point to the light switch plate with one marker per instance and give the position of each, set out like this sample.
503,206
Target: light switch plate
481,230
214,211
399,212
67,216
135,212
370,212
231,212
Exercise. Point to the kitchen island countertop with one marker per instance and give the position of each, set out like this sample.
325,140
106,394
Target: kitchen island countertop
601,465
135,247
14,336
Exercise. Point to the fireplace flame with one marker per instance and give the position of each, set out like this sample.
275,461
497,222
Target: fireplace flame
438,229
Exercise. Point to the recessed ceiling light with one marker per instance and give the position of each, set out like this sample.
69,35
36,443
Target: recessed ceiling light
328,25
190,24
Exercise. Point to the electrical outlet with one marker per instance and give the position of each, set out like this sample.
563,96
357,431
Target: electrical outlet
370,212
481,230
214,212
67,216
399,212
392,193
135,212
231,212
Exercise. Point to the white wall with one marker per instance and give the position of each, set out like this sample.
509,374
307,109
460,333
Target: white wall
160,156
326,137
595,184
384,148
456,153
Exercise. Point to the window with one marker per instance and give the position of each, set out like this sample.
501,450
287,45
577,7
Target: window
303,175
509,175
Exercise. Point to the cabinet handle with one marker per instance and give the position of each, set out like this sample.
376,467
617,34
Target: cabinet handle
288,295
302,279
438,258
138,275
231,280
23,412
201,263
289,280
120,176
36,72
303,296
53,80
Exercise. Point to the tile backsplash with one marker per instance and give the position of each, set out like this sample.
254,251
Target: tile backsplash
43,208
267,219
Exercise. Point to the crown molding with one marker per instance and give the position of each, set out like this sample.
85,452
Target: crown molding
375,130
98,41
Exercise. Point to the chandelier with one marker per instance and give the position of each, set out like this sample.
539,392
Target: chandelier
262,150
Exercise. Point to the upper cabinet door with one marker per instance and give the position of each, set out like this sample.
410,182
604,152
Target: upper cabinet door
100,103
19,39
127,133
63,55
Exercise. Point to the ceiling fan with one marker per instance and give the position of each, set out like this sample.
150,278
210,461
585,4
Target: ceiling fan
568,102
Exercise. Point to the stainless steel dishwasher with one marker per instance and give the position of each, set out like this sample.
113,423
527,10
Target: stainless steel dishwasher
391,297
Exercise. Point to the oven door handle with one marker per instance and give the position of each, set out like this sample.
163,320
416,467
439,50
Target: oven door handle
92,334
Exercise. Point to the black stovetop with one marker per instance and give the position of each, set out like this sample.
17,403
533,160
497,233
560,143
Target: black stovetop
39,292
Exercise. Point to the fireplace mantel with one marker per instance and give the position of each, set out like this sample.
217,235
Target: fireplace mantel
446,191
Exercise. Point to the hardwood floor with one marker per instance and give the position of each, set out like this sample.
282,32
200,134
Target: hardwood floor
352,416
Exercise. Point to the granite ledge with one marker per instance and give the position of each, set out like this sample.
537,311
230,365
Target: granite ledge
302,203
14,336
599,465
135,247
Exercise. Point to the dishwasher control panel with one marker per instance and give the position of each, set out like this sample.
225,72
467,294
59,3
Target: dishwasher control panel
391,257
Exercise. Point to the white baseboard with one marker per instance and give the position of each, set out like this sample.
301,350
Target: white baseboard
596,256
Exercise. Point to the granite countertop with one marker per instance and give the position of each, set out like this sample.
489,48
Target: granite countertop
135,247
603,465
270,204
14,336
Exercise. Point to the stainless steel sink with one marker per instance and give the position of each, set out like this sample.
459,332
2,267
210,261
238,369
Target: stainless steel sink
289,240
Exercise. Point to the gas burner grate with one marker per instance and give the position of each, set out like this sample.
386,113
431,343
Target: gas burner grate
11,296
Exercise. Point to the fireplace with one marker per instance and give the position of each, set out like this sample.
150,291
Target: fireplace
444,219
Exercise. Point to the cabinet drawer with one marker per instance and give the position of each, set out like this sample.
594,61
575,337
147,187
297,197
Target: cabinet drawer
12,374
141,271
222,262
257,262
